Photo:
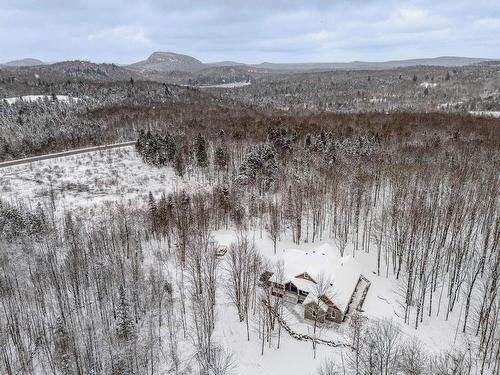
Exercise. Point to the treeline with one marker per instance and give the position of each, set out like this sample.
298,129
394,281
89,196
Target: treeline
99,117
411,89
17,222
48,125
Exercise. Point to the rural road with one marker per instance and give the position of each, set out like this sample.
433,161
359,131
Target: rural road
64,153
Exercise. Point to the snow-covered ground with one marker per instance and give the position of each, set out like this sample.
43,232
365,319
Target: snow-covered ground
230,85
486,113
296,357
34,98
451,105
428,84
90,180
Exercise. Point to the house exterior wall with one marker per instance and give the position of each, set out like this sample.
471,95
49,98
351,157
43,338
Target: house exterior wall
337,316
311,308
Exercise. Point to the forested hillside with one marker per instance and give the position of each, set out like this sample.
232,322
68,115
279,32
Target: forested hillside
136,286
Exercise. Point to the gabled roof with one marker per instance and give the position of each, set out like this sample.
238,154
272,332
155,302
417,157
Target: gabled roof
342,272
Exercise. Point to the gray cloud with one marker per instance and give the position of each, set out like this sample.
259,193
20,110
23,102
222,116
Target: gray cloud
250,31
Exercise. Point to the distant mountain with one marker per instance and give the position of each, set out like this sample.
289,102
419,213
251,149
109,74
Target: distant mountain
160,65
226,63
89,70
447,61
80,70
161,62
24,62
182,69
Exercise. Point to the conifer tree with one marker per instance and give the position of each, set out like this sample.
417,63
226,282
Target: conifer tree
201,151
171,147
221,157
125,328
153,211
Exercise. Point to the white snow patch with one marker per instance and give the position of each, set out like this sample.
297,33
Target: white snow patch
428,84
231,85
495,114
451,105
35,98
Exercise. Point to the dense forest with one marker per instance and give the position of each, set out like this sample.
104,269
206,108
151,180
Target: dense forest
411,89
134,288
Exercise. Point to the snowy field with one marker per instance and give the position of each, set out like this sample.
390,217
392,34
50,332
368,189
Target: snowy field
34,98
231,85
88,181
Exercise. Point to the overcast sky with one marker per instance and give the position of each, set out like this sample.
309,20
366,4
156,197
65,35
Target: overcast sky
252,31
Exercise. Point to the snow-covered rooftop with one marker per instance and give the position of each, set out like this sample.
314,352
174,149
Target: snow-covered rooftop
342,272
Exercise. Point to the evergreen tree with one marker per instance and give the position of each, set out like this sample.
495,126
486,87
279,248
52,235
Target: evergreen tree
260,167
37,220
125,328
221,157
153,211
140,143
201,151
171,147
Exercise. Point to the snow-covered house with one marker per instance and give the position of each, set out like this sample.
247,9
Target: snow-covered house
324,283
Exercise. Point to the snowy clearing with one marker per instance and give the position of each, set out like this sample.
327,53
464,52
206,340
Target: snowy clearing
87,180
231,85
35,98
